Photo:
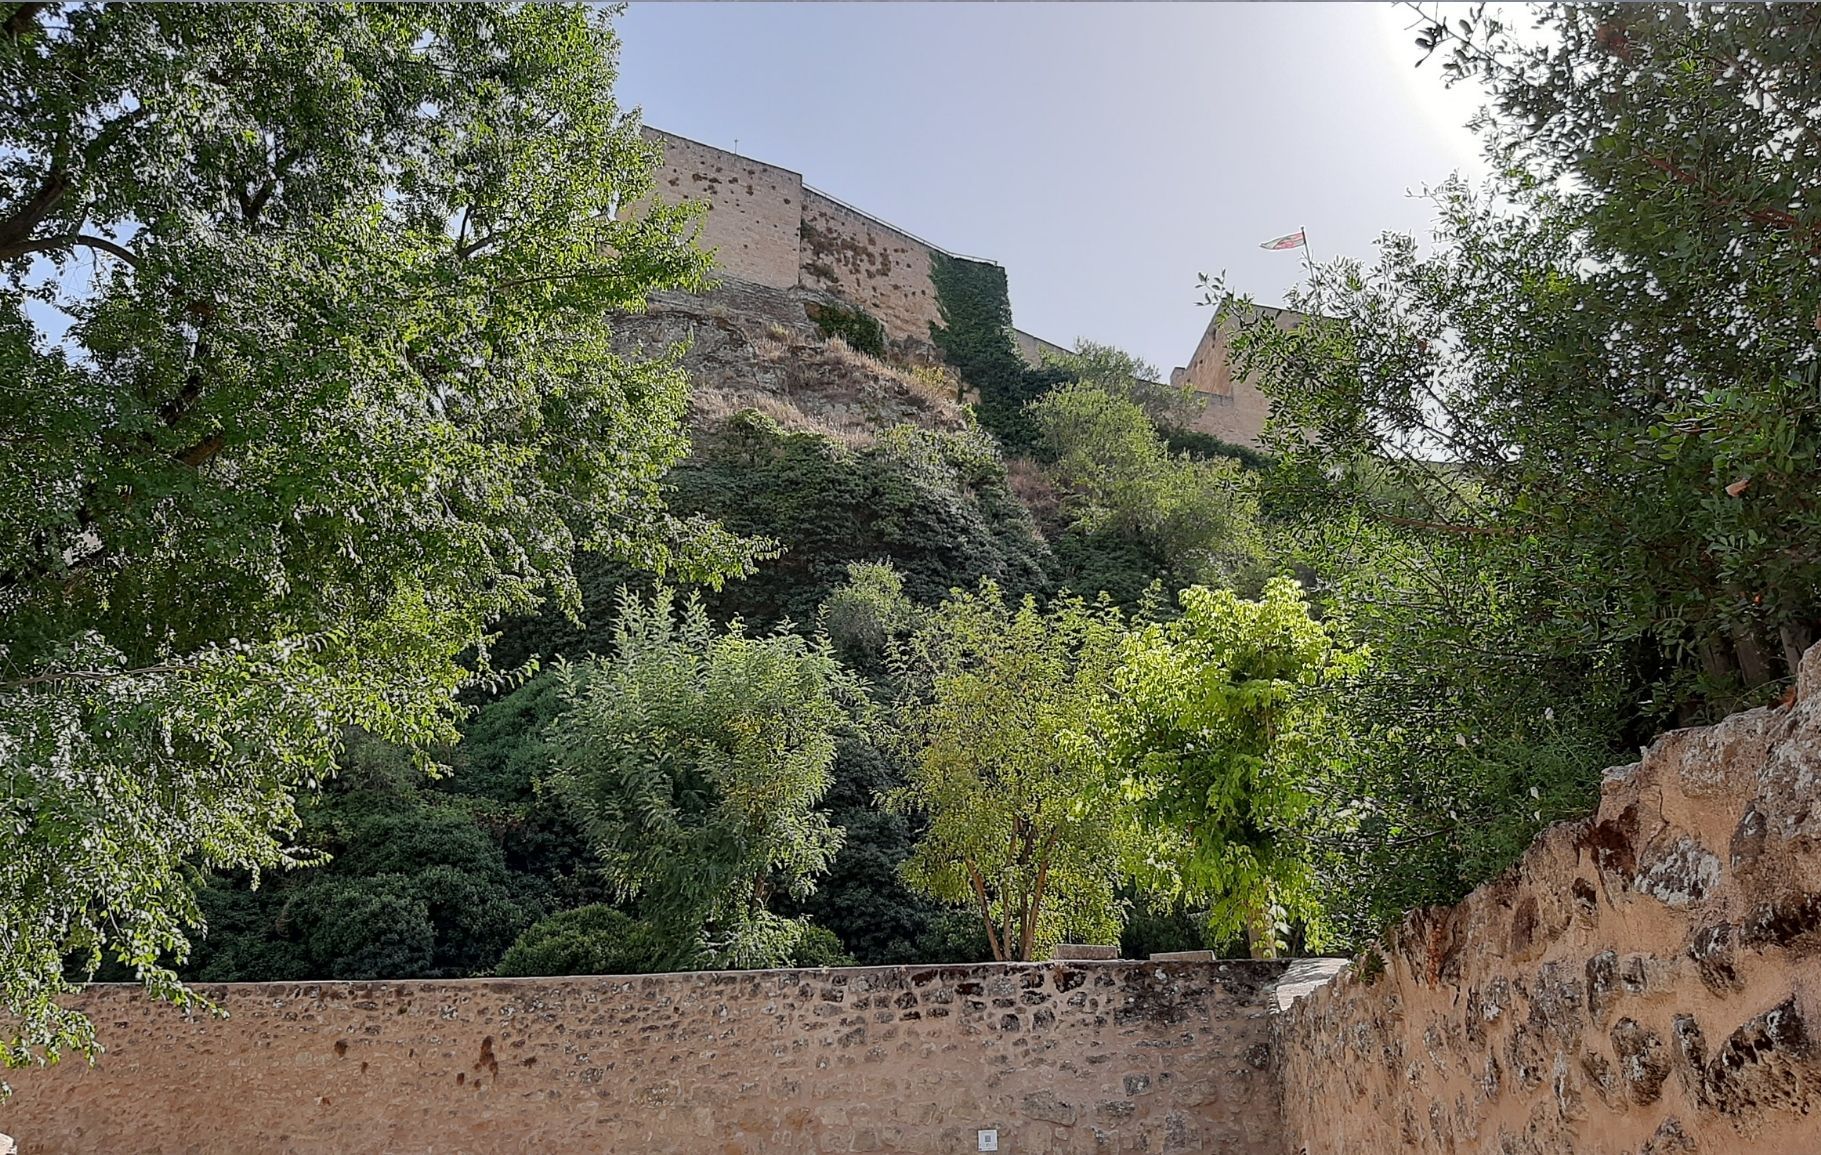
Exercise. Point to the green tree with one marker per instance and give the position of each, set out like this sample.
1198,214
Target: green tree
338,394
1125,375
867,611
1558,469
694,758
1007,706
1220,724
865,900
415,880
1199,515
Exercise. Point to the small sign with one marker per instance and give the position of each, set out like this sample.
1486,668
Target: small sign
989,1140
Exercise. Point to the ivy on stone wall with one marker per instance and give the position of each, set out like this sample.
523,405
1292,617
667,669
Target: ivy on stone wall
975,337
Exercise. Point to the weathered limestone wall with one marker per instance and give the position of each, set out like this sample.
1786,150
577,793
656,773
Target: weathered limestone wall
1233,408
755,208
869,263
1057,1057
1646,982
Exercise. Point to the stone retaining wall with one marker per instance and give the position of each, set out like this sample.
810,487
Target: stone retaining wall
1645,982
1059,1057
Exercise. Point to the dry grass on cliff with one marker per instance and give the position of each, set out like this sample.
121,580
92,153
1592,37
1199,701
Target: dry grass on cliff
711,406
828,387
933,385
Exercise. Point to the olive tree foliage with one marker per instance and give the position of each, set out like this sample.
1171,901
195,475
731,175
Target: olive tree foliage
333,391
1006,707
695,758
1626,367
1559,467
1199,514
1223,732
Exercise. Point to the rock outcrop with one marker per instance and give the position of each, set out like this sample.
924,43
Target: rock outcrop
749,346
1647,981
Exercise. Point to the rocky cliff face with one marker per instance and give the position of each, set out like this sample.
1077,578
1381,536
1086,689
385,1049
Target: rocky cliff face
1646,981
751,346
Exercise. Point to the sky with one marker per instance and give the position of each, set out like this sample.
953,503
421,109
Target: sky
1105,154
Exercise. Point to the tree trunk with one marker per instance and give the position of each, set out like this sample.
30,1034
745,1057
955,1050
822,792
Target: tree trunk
1261,933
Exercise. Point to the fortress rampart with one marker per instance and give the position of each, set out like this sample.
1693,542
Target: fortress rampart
768,227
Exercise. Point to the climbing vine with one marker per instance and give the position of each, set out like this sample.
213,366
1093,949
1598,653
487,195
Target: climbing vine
975,337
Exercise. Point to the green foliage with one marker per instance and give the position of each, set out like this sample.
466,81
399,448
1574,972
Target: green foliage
1007,705
420,882
934,505
1156,927
866,612
340,394
589,940
975,337
1470,733
1558,468
1124,375
1218,730
1198,515
859,328
695,759
1195,443
817,946
864,899
1096,557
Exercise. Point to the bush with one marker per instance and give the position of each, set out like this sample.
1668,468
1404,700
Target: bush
860,329
937,506
863,615
817,946
589,940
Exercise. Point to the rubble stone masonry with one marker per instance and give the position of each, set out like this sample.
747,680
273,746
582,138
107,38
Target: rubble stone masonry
1644,982
1087,1057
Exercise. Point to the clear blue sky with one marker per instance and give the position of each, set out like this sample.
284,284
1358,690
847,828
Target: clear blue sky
1104,153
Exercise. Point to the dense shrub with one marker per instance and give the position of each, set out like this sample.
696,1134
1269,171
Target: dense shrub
860,329
590,940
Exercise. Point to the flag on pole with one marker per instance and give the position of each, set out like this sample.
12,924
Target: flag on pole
1294,240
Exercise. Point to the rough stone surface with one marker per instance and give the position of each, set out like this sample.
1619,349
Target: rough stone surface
748,345
1645,982
1233,408
1084,1057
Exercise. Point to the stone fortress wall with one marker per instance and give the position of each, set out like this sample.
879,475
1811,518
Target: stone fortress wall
1232,407
1068,1057
769,227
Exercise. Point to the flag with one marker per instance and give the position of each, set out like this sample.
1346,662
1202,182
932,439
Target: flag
1294,240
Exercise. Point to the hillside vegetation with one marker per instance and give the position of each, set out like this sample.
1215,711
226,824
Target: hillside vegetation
377,601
